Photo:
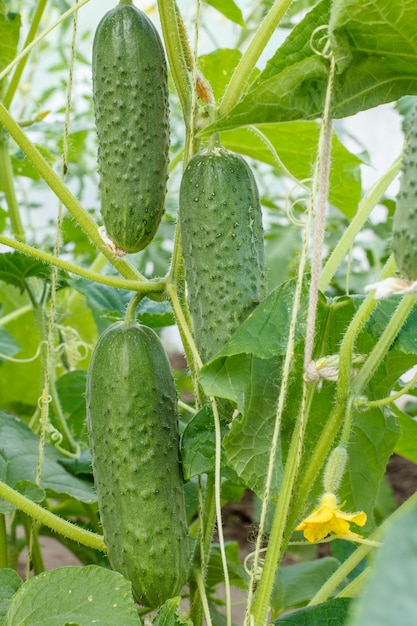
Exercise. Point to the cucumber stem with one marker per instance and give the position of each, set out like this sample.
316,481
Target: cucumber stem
130,315
14,81
45,517
3,542
6,182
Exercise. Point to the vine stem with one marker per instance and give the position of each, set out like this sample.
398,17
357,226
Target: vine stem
154,286
366,205
175,54
7,184
331,428
236,86
316,215
14,81
383,344
41,36
45,517
63,193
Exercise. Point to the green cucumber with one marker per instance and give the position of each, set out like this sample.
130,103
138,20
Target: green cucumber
132,420
222,241
130,93
404,233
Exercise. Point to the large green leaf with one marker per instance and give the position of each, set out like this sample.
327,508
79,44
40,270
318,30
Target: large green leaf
296,145
74,595
226,59
406,444
16,268
375,46
389,597
19,458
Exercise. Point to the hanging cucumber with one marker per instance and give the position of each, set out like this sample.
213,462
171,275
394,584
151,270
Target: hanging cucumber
404,234
130,93
132,422
222,241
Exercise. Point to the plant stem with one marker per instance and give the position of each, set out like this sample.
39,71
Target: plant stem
366,205
35,558
236,86
130,284
174,49
3,542
335,421
63,193
14,81
6,183
41,36
383,344
10,317
130,315
45,517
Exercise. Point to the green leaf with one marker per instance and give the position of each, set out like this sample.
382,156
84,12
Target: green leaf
406,445
237,574
74,595
16,268
168,614
375,45
389,598
296,145
198,444
372,442
8,345
9,37
71,390
218,66
23,167
19,458
296,584
10,582
331,613
229,9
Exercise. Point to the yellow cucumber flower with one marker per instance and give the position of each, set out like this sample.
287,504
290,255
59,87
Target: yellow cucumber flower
328,518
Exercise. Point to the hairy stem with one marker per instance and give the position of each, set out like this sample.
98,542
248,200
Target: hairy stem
45,517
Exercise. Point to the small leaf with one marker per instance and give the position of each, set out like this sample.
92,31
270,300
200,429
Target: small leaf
229,9
16,268
331,613
406,445
218,66
9,37
296,584
8,345
74,595
19,458
237,574
390,590
198,444
168,614
10,582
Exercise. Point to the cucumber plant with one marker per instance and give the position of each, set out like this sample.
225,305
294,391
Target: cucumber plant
310,423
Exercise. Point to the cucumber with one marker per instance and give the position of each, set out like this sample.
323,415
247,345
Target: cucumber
404,233
222,241
132,420
130,94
